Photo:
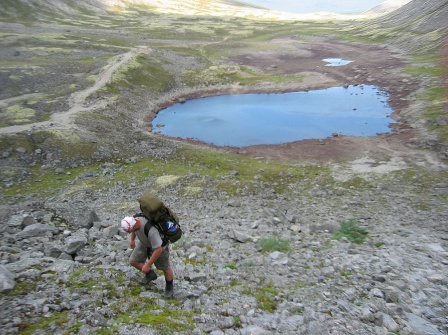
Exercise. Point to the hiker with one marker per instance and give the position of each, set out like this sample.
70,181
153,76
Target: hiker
148,250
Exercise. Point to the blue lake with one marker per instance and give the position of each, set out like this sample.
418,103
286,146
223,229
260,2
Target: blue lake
240,120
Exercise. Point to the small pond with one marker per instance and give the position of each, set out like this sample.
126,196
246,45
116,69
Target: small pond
241,120
336,61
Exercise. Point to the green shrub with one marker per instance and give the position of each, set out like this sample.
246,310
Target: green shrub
352,232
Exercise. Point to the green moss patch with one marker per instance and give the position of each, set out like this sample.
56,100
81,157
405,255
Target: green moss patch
232,74
142,70
17,115
29,327
266,297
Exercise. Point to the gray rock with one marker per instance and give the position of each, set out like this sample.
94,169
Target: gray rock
28,220
24,264
438,278
386,321
61,266
377,293
54,251
96,320
7,282
367,315
240,236
217,332
419,326
15,220
225,322
290,324
344,306
36,230
76,214
110,231
255,330
74,244
392,294
66,257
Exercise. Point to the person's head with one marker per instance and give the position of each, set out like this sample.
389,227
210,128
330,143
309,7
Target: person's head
129,224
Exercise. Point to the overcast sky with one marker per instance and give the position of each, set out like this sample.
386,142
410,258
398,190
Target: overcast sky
309,6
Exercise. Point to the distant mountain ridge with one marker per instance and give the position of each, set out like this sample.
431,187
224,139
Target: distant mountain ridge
419,25
387,6
416,24
336,7
423,15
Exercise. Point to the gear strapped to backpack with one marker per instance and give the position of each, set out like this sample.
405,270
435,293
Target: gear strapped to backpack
161,217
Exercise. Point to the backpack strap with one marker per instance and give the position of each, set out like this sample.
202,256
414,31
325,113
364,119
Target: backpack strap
148,226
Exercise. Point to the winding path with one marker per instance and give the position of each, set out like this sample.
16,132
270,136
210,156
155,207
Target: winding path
64,120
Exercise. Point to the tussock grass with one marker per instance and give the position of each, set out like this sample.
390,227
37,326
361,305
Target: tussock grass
352,232
265,296
274,244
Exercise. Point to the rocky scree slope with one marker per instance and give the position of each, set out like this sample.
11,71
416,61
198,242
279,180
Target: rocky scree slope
64,261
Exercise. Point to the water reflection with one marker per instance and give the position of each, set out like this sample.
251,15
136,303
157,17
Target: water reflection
248,119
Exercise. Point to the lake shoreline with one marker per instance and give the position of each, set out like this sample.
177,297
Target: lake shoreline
276,118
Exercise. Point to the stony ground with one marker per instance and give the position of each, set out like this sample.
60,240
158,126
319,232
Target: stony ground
75,278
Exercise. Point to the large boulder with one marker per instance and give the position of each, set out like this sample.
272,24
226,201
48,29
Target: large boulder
7,282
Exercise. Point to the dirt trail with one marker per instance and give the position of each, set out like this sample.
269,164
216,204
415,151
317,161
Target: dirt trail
64,120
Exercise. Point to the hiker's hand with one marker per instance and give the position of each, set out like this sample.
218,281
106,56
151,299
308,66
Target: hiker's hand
146,267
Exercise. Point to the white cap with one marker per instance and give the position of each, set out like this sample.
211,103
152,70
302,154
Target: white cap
128,223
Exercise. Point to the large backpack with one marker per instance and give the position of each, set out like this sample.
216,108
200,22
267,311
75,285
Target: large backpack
161,217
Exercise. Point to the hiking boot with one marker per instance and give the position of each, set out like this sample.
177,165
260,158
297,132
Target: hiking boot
149,277
169,292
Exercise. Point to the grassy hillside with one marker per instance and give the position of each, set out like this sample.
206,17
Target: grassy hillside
418,29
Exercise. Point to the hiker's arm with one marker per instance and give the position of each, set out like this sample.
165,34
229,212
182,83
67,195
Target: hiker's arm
155,254
132,243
